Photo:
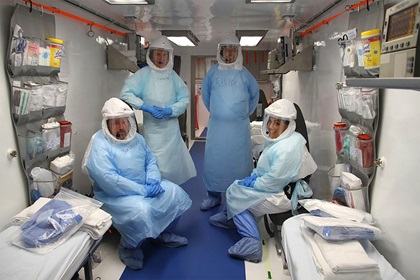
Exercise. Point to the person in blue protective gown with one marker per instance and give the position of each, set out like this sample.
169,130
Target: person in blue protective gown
230,93
285,159
163,96
127,180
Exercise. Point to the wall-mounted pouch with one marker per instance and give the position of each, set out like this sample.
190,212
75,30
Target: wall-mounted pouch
54,99
351,53
27,145
30,56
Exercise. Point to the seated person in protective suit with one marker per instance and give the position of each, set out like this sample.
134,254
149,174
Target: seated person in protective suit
127,180
284,160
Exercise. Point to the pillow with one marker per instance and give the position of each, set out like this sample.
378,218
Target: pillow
338,229
327,209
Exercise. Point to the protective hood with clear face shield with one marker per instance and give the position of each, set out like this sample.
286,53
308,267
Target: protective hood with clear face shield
160,55
118,121
279,120
229,54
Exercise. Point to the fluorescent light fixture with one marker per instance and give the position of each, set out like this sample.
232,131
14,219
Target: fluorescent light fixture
130,2
183,38
250,38
268,1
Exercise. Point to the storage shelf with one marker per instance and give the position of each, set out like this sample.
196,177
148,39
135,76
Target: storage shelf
117,61
303,61
399,83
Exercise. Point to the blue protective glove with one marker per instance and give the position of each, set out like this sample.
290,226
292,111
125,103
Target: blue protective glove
152,182
152,111
167,111
154,189
248,181
146,108
164,111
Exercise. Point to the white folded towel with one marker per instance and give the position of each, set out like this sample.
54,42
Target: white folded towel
338,211
95,225
345,256
94,231
324,268
98,219
28,212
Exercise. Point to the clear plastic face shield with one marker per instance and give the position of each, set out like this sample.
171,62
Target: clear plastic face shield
160,55
229,54
279,120
159,58
118,122
274,126
119,127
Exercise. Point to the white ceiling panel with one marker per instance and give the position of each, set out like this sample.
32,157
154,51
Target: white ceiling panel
209,20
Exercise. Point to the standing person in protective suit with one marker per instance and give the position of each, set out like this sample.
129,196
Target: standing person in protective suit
230,94
163,96
127,180
284,160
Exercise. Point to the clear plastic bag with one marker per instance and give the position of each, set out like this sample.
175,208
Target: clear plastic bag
55,222
339,230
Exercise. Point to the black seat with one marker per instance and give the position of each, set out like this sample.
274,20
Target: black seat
278,218
258,113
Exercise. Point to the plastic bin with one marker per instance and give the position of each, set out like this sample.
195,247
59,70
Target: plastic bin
357,198
334,175
30,145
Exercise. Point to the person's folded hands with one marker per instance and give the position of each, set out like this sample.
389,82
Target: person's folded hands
153,189
248,181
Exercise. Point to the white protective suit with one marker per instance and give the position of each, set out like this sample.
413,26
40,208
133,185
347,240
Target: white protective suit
284,159
119,170
164,88
230,93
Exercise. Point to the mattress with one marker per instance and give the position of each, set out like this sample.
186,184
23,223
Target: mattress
61,263
299,255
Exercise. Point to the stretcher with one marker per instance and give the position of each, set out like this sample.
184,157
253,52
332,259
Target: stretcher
298,255
64,261
61,263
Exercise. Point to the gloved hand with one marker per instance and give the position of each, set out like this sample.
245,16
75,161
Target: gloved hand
164,111
152,182
248,181
146,108
152,111
153,189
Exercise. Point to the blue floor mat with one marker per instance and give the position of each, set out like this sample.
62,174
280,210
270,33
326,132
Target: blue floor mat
206,255
204,133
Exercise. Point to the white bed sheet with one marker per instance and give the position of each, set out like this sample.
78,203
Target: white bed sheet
61,263
299,254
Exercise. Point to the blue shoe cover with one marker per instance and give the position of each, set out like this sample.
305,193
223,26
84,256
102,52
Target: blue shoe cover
220,220
171,240
248,249
132,258
210,202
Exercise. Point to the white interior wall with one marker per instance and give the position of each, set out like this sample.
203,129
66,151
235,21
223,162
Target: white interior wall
315,93
393,198
13,187
90,85
393,190
394,201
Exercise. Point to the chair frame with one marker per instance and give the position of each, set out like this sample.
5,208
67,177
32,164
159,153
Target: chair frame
274,229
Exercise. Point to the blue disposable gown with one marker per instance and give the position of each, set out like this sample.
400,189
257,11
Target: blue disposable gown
163,89
278,165
230,96
119,172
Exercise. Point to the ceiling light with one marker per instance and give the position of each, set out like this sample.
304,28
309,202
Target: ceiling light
250,38
183,38
269,1
130,2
